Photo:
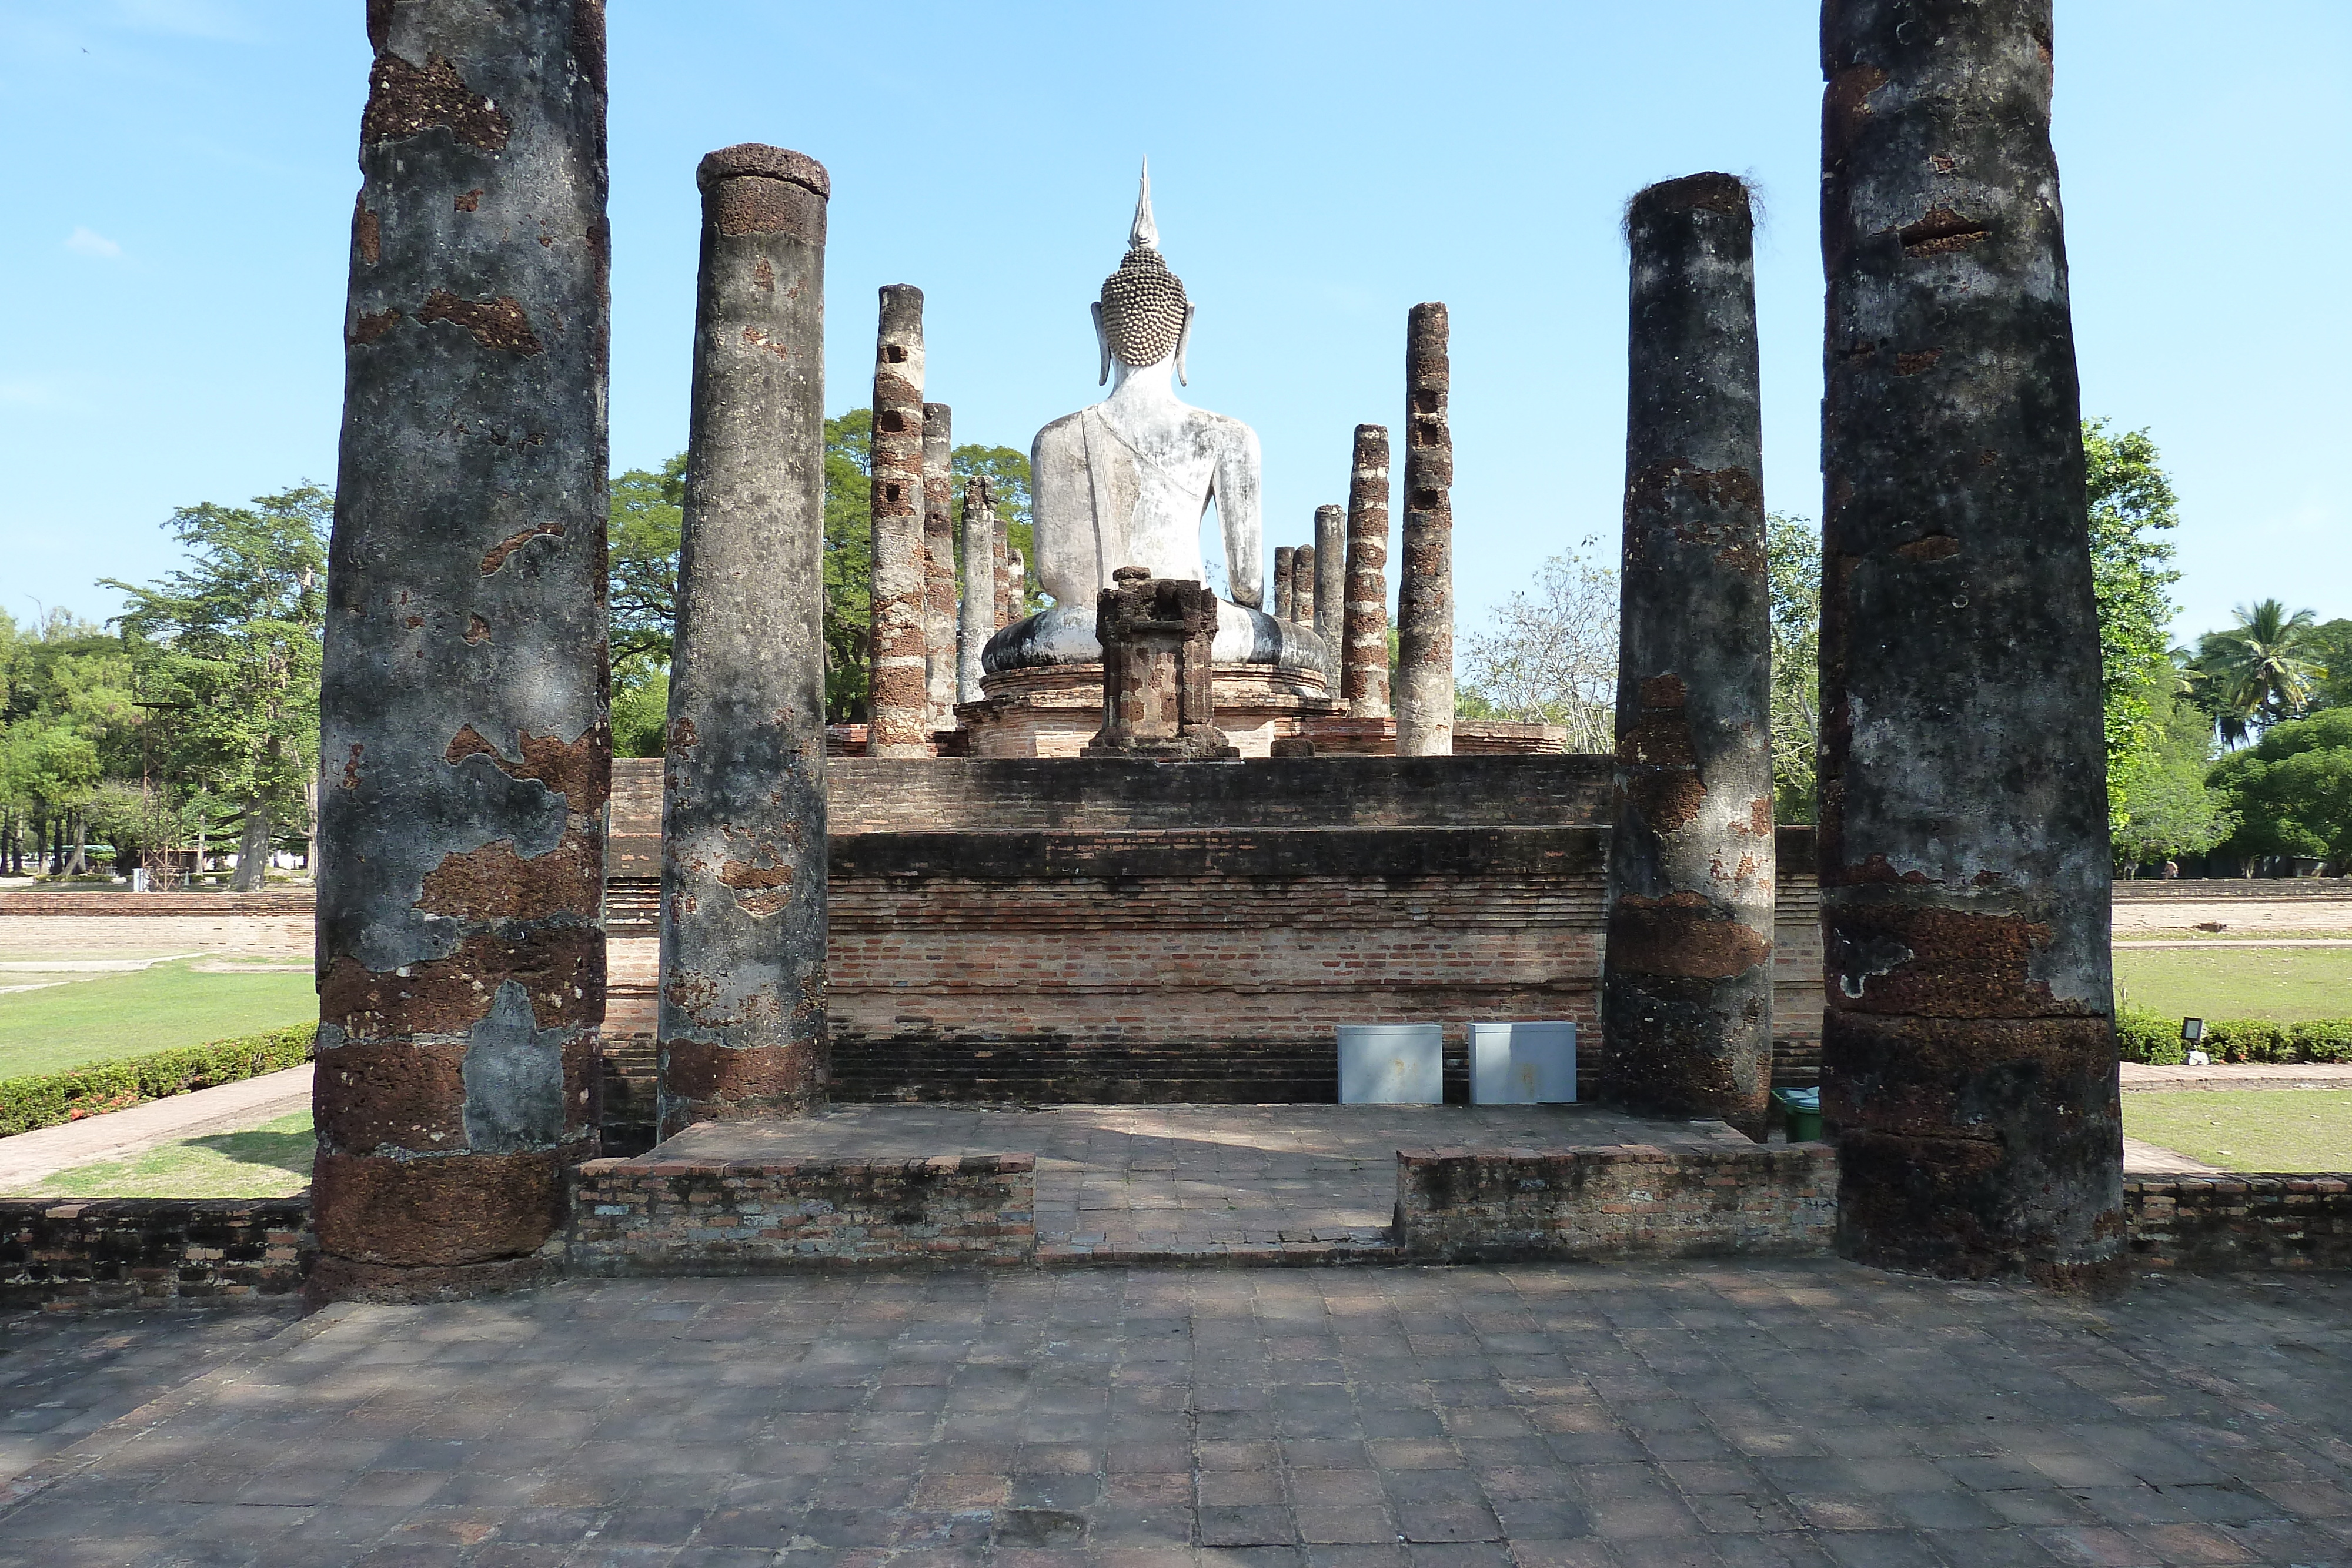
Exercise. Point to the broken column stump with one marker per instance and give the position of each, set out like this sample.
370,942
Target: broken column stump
742,1015
1686,981
899,665
1425,694
1968,1054
466,751
1364,667
1157,703
938,567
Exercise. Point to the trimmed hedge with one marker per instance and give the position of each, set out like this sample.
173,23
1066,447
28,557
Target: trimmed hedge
50,1098
2154,1039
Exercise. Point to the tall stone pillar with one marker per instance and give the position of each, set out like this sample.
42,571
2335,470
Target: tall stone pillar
1331,576
938,567
1968,1056
1285,583
1016,582
978,620
1302,585
1686,982
899,665
1005,600
742,998
466,755
1424,697
1364,670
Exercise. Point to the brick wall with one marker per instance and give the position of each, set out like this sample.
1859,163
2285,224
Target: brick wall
131,1251
2225,890
273,901
1104,931
2217,1225
750,1218
1635,1201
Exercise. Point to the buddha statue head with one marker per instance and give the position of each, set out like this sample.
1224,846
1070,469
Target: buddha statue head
1142,319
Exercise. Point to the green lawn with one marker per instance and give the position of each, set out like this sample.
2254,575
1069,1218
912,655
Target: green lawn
2285,984
272,1160
2249,1129
59,1027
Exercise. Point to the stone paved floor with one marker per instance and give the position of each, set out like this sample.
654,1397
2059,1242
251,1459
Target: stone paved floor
1115,1179
1760,1413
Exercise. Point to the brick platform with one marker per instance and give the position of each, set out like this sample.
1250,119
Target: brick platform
1162,1184
1464,1206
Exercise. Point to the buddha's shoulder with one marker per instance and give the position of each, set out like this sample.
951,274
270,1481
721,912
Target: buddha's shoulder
1061,431
1221,428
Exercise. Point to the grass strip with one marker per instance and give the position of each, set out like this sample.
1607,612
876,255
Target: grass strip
272,1160
2271,1130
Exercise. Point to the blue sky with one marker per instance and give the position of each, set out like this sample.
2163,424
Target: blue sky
179,180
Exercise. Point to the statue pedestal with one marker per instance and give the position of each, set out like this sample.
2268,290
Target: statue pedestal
1054,710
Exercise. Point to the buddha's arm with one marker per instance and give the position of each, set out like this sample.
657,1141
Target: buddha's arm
1236,488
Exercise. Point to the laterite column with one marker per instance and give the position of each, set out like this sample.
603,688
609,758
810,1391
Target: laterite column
1302,585
1686,981
1968,1054
938,567
1364,672
977,619
1286,581
1331,577
1424,697
743,1005
900,657
466,753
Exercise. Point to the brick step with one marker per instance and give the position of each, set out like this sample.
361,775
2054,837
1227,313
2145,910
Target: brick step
633,905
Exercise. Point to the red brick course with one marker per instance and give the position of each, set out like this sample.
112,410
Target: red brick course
2219,1225
140,1251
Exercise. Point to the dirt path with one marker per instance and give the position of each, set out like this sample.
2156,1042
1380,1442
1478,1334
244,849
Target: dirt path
29,1157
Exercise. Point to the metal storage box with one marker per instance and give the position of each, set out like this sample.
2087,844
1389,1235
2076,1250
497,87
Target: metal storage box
1391,1064
1523,1063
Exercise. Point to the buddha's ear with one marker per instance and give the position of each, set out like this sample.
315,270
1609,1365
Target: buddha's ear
1183,337
1102,343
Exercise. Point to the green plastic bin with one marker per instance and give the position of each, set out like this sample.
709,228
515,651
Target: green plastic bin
1800,1113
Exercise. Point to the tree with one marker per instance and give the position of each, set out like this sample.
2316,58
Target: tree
1792,546
2160,806
2132,510
1549,656
2260,671
2331,644
228,653
2292,790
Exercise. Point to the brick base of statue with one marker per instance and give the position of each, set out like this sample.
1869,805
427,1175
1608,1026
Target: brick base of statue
1157,703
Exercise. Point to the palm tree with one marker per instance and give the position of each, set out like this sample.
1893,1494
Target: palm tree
2258,672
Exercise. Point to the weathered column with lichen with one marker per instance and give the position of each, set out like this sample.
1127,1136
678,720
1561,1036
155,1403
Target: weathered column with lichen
1331,577
1286,581
1424,694
465,752
1302,585
742,1018
938,567
1686,981
898,664
1364,665
1969,1055
982,577
1016,582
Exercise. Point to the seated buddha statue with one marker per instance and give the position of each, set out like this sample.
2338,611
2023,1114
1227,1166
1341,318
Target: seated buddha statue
1127,482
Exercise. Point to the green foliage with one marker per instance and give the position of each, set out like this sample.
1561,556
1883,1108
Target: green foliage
849,563
2264,670
2154,1039
1792,548
2148,1038
2132,511
640,711
2292,792
47,1099
2159,805
2331,645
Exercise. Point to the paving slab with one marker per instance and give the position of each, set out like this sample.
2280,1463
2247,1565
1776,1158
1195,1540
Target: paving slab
1781,1412
1192,1180
2137,1076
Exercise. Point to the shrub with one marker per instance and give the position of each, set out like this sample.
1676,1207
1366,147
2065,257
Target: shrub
2148,1038
2249,1039
47,1099
2325,1040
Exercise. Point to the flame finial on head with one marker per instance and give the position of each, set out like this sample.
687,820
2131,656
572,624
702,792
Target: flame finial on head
1143,234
